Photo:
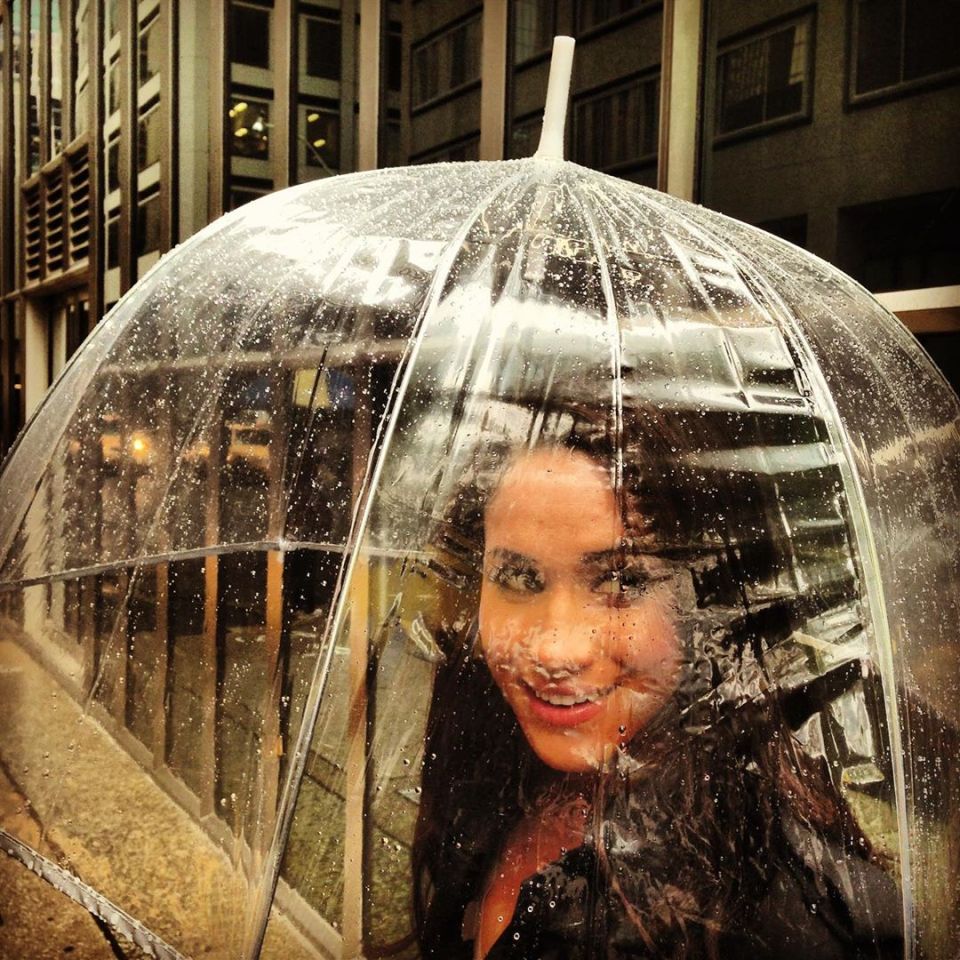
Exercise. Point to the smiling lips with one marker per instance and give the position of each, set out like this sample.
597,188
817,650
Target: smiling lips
561,707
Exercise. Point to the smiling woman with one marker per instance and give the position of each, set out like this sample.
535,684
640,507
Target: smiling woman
610,770
577,628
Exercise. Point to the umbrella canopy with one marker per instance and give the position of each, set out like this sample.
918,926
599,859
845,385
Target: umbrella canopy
260,546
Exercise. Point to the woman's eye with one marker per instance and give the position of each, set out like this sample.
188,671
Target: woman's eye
621,585
517,579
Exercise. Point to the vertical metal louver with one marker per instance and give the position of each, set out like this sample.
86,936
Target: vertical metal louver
78,206
33,233
55,223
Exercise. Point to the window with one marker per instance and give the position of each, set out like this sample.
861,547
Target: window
113,241
243,191
899,43
322,54
466,148
111,20
149,138
618,128
524,137
250,36
322,139
113,164
904,243
80,70
250,121
148,225
592,13
447,62
33,90
792,229
149,50
113,87
394,70
765,79
56,81
533,27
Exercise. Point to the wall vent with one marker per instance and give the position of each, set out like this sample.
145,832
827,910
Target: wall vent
78,200
33,233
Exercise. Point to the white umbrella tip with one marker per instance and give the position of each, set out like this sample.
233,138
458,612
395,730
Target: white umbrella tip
558,93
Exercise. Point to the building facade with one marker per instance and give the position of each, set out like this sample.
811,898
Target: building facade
127,126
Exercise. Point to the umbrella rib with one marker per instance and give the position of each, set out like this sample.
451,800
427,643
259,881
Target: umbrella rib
616,339
94,902
337,614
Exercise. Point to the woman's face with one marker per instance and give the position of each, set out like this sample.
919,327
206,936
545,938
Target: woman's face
577,629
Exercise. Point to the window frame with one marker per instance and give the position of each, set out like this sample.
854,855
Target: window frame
903,88
330,18
528,119
436,154
268,13
581,32
764,31
537,55
474,15
639,78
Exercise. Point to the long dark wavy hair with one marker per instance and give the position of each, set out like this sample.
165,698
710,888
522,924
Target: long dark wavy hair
718,771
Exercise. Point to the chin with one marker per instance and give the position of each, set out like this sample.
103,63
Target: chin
569,757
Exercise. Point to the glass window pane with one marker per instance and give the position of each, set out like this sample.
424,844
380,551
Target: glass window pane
322,139
113,165
877,54
33,89
241,193
394,66
250,125
447,62
150,50
764,79
56,79
932,38
322,48
250,35
111,18
533,27
592,13
148,226
620,128
113,243
149,139
81,70
113,87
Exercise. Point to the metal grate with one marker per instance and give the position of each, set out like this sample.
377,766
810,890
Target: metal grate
33,233
78,205
55,221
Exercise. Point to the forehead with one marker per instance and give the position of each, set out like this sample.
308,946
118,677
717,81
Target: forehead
553,503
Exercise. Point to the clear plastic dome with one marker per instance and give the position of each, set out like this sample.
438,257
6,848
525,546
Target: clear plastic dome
489,559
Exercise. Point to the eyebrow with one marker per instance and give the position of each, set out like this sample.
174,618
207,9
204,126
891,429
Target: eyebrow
511,556
605,556
594,559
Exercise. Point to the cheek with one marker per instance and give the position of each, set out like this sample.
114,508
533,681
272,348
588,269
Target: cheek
500,632
646,640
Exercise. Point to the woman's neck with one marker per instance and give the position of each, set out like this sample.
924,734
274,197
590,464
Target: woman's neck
546,831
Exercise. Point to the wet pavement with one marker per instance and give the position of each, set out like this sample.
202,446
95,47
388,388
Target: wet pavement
120,832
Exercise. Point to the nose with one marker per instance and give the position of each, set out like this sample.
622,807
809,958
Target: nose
564,641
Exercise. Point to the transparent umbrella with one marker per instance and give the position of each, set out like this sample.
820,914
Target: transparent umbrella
489,559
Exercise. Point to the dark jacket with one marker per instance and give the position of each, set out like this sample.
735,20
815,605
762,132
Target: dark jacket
820,905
